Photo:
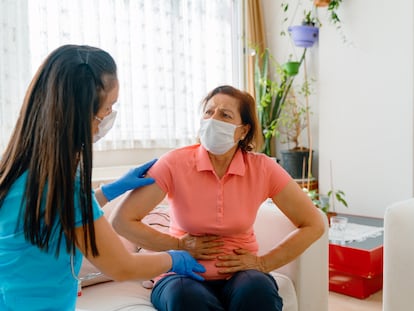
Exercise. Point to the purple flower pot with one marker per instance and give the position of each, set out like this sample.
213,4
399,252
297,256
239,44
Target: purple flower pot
303,35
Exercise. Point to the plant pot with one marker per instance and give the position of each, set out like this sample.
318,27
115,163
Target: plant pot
321,3
295,162
291,68
304,35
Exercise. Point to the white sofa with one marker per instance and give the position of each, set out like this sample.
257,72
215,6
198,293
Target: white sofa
303,283
398,256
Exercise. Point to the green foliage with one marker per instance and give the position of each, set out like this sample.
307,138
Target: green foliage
335,20
272,86
292,121
310,19
317,201
339,195
323,202
293,118
332,9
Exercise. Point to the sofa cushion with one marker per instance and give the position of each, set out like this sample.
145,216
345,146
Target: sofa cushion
90,275
159,219
122,296
131,296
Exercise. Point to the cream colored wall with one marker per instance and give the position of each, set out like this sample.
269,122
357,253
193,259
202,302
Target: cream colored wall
364,101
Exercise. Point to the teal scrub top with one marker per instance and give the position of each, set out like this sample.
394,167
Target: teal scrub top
31,279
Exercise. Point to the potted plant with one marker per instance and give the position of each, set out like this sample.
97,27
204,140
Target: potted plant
272,85
291,67
306,34
324,202
273,81
332,7
292,121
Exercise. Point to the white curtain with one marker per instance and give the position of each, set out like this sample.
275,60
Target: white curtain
14,64
169,53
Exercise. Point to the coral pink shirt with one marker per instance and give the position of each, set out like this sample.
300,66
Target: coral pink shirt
201,203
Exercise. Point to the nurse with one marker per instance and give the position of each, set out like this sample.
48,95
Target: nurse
49,215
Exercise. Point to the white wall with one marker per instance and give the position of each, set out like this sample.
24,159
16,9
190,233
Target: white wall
364,101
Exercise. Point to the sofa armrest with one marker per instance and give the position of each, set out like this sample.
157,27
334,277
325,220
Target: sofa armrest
309,272
313,267
398,256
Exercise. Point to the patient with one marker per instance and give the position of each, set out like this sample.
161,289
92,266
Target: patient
214,191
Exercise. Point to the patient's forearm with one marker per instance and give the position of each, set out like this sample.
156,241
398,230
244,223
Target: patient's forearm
100,197
290,248
146,237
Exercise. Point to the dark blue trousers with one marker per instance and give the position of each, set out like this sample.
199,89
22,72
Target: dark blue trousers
245,290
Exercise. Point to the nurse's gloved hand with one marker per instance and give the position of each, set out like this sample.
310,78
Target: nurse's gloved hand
184,264
131,180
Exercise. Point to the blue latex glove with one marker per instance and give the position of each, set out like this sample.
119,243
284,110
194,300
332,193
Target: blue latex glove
131,180
184,264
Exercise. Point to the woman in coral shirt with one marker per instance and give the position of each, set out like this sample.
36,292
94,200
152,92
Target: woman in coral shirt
214,191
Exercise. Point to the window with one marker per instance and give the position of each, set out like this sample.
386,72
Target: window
169,53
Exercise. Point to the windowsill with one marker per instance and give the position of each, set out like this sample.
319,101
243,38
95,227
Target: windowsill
110,165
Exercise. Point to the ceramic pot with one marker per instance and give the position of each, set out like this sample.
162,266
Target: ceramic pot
295,162
304,35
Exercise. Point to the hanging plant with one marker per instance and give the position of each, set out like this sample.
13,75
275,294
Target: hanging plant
306,34
291,68
333,6
335,20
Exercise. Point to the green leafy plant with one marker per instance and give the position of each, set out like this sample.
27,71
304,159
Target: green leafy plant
292,121
273,83
314,196
323,202
337,195
310,16
272,86
335,20
333,7
294,117
310,19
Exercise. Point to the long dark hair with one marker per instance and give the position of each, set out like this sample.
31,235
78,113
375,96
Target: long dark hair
247,106
52,141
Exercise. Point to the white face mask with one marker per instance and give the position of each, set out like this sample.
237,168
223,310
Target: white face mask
217,136
104,126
